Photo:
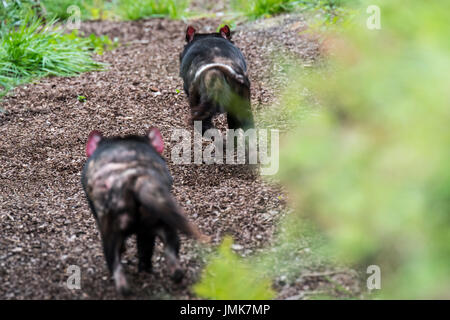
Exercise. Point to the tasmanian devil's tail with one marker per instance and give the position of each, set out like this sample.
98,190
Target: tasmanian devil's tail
158,203
221,89
229,73
221,82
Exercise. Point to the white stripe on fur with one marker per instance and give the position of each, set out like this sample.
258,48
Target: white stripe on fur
213,65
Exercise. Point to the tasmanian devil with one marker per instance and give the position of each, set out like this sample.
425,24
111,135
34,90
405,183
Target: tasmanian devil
214,72
128,188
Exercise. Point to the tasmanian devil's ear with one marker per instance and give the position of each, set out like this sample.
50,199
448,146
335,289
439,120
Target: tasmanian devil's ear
225,32
93,140
190,32
156,139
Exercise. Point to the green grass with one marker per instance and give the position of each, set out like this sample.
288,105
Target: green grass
35,50
13,12
259,8
263,8
137,9
117,9
89,9
174,9
94,9
58,8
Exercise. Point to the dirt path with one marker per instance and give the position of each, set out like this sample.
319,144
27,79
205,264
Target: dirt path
45,224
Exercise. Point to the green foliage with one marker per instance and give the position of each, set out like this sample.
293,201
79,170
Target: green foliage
94,9
17,10
58,8
227,277
89,9
13,12
96,43
296,248
138,9
100,10
229,22
265,8
36,50
259,8
372,166
102,42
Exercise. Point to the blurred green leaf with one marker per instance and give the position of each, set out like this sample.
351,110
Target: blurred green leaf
371,165
227,277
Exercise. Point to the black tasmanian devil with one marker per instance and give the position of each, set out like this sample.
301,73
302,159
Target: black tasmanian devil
214,72
128,188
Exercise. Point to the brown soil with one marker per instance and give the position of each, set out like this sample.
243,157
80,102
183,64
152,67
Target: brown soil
45,223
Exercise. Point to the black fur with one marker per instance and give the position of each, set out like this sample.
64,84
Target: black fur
127,185
216,90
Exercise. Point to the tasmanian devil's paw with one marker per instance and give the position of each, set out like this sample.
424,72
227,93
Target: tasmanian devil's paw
124,291
121,282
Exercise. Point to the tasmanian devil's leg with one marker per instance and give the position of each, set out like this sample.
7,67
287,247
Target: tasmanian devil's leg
145,246
233,123
204,113
112,246
207,124
202,108
171,249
